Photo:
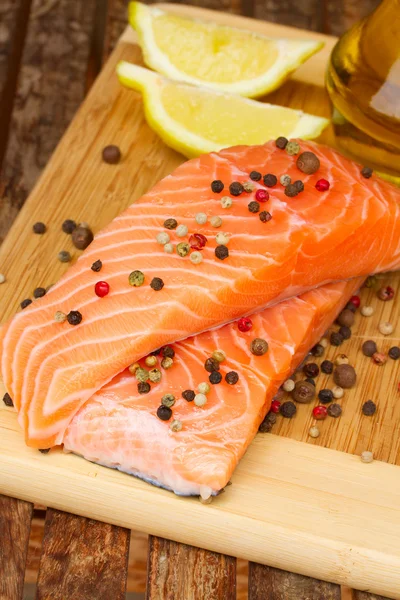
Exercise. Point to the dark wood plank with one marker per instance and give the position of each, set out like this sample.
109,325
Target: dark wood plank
51,86
82,559
340,15
367,596
268,583
180,572
307,14
15,524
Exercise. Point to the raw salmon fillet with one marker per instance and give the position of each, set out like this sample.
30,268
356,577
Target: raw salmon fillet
51,369
118,427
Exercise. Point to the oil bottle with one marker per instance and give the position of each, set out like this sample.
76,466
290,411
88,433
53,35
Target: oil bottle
363,81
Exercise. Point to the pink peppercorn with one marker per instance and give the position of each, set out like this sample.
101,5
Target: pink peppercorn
320,412
322,185
275,406
101,289
197,241
355,300
245,324
262,195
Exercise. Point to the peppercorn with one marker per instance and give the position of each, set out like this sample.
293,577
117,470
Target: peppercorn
341,359
141,374
167,362
60,317
345,376
39,292
311,370
367,457
254,207
386,328
111,154
151,361
217,186
265,426
8,400
221,252
314,432
169,248
336,338
299,185
188,395
25,303
136,278
64,256
155,375
2,278
308,163
369,408
271,417
366,172
200,400
292,148
337,392
385,293
236,188
367,311
281,142
102,289
181,231
345,332
285,180
143,387
346,318
44,450
258,347
222,239
226,202
156,352
325,396
369,348
288,385
265,216
351,306
288,409
201,218
74,317
96,266
219,355
82,237
215,377
157,284
379,358
317,350
319,412
270,180
255,176
310,380
168,400
371,281
275,406
164,413
39,228
68,226
168,351
327,367
176,425
324,342
133,368
303,392
215,221
232,377
291,190
394,352
183,249
334,410
211,365
322,185
248,187
245,324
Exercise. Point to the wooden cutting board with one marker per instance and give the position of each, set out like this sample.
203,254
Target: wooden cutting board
294,505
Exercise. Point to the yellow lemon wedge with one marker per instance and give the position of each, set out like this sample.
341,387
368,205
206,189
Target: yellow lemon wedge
224,58
195,120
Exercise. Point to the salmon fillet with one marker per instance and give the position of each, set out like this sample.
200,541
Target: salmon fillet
118,427
51,369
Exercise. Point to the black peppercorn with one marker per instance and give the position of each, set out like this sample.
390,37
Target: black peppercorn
232,377
265,216
288,409
281,142
236,188
8,400
310,380
345,332
258,347
211,365
74,317
267,423
168,351
221,252
111,155
68,226
308,163
26,302
157,284
351,306
170,224
346,317
394,353
334,410
255,176
369,348
44,450
253,206
336,338
39,228
270,180
327,367
366,172
345,376
311,370
317,350
188,395
291,190
299,185
303,392
96,266
217,186
164,413
39,292
64,256
369,408
325,396
82,237
215,377
143,387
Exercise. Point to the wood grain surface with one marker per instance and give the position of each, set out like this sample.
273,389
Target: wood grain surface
15,522
82,559
181,572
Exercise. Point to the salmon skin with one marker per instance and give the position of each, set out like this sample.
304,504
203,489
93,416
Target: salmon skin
51,369
118,427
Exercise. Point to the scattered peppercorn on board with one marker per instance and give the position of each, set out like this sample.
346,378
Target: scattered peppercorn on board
294,505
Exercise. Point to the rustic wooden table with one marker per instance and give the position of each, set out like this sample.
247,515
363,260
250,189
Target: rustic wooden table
52,45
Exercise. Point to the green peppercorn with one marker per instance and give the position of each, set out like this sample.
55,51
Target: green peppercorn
168,400
151,361
141,374
219,355
136,278
167,362
183,249
308,163
292,148
258,347
155,375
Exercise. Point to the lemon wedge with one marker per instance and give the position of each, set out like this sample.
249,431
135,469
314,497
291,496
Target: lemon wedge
224,58
195,120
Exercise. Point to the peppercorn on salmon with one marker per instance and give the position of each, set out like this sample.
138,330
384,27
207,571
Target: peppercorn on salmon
51,368
197,449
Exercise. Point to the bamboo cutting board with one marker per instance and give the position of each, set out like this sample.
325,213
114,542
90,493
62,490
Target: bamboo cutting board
294,505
